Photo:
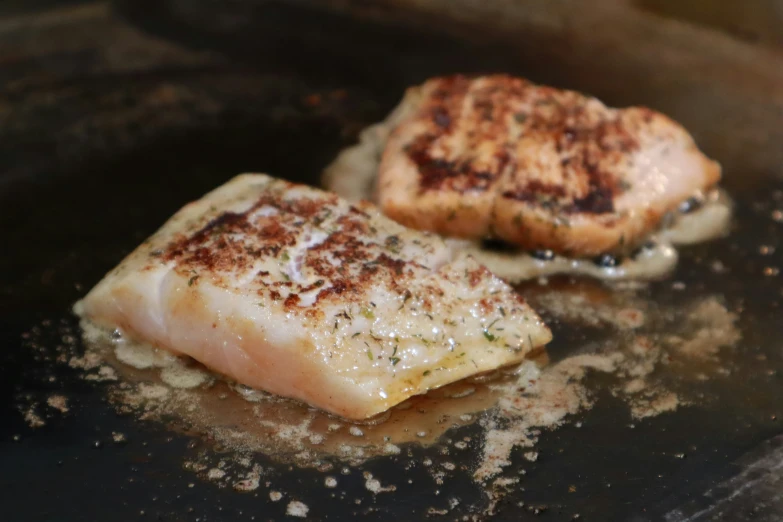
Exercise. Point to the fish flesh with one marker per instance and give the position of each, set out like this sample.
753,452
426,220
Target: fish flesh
295,291
534,166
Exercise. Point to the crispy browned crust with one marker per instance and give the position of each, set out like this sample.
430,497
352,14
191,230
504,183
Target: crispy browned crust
234,241
533,165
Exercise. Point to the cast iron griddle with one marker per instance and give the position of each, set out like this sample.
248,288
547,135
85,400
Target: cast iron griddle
106,130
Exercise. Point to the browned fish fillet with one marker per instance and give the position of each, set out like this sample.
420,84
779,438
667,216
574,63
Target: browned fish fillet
535,166
293,290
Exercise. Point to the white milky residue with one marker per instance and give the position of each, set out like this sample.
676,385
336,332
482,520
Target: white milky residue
391,449
511,408
550,396
142,356
215,474
153,391
374,485
296,508
58,402
33,419
250,480
181,376
105,373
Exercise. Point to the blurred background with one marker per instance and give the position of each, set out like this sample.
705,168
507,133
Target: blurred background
79,78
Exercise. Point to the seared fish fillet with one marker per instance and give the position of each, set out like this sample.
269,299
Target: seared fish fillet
535,166
293,290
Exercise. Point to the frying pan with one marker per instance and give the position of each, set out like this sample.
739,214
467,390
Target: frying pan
113,116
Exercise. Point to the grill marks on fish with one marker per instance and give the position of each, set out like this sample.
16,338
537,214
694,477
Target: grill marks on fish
497,156
450,100
501,113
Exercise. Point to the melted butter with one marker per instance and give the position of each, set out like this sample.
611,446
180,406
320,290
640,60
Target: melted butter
650,263
708,222
259,421
711,221
685,344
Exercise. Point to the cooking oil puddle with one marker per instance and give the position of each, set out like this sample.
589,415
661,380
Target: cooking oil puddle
644,353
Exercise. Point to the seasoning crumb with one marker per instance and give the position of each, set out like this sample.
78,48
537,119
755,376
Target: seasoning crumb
516,406
506,481
391,449
181,376
58,402
296,508
33,419
664,402
374,485
215,474
718,267
251,480
630,318
105,373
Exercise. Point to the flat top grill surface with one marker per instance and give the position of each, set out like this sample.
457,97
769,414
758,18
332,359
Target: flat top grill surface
114,116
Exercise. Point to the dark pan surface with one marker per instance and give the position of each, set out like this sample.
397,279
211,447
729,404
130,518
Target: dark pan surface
106,135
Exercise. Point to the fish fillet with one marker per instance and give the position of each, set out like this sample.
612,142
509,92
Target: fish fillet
295,291
538,167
